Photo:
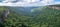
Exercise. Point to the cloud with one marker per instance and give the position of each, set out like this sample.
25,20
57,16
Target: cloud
27,3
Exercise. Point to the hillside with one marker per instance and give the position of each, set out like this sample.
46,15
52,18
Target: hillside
39,17
22,10
42,17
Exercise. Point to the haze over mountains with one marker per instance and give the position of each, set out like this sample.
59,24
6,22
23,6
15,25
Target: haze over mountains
29,10
24,10
39,17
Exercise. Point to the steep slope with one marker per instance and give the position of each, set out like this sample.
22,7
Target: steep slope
22,10
54,7
48,18
40,17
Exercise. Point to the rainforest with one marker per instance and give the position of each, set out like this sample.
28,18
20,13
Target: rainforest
43,16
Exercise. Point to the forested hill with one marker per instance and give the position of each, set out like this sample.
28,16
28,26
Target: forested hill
22,10
39,17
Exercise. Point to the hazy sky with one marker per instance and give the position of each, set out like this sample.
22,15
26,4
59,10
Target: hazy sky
28,2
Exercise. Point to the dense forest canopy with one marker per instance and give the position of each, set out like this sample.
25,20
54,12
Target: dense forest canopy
40,17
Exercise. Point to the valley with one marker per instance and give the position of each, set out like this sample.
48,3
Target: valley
39,17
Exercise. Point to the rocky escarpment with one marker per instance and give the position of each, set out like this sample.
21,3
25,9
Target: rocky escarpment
54,7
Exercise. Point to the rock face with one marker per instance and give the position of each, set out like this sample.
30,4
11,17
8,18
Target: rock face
6,13
54,7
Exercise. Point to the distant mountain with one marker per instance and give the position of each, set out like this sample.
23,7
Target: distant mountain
30,10
22,10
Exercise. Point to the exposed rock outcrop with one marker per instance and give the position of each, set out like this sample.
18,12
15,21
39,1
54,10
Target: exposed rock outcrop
5,14
54,7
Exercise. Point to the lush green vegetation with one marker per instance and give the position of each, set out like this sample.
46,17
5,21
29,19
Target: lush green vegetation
41,17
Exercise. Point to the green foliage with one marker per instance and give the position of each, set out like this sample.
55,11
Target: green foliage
41,17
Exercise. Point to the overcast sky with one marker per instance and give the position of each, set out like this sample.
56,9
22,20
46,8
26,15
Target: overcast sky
28,2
